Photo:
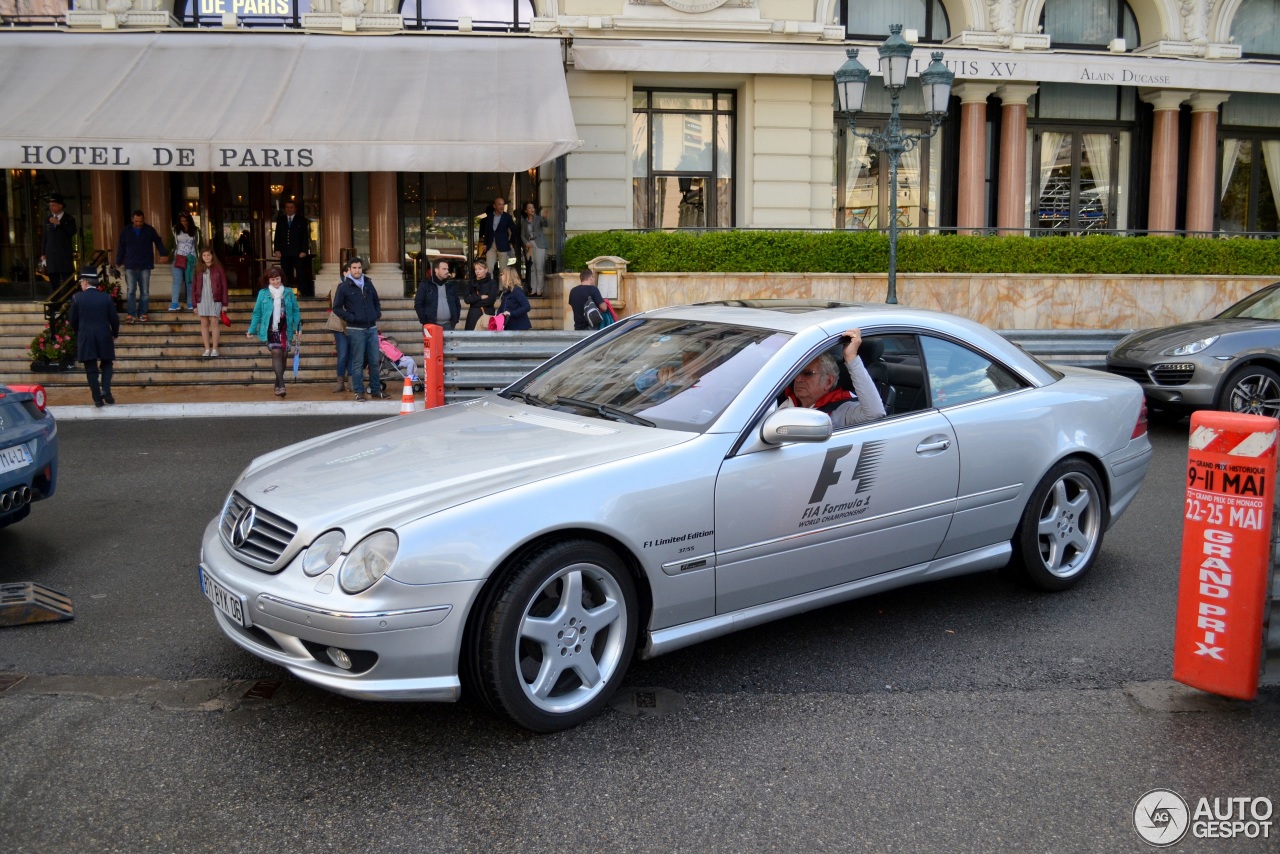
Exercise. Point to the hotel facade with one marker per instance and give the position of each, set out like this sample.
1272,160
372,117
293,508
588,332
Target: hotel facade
393,126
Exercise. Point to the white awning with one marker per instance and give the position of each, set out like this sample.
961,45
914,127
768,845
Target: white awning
219,102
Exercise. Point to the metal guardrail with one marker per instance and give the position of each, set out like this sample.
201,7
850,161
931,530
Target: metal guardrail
480,362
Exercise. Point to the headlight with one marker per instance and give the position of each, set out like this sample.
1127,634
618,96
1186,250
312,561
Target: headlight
323,553
368,561
1193,347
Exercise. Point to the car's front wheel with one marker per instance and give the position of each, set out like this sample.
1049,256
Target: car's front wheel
1060,533
559,636
1254,390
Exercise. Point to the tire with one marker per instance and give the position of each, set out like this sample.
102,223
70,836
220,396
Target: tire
1060,534
558,637
1252,389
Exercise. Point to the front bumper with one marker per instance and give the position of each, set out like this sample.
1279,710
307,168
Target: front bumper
1168,387
404,640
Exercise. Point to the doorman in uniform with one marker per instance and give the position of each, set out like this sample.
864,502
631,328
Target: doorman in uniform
292,245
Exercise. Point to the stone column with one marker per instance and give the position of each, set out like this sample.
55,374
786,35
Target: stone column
1162,205
335,227
1011,207
108,212
971,207
1202,164
384,235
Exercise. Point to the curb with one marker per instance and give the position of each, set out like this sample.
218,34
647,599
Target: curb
121,412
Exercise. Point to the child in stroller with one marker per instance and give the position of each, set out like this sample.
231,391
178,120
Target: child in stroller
394,363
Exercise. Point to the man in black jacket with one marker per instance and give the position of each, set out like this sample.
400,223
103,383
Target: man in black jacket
357,303
95,321
57,250
437,299
292,244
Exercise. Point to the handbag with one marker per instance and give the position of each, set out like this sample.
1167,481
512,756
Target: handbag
180,262
226,318
334,323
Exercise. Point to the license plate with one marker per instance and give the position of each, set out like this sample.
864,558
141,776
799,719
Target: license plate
223,599
14,458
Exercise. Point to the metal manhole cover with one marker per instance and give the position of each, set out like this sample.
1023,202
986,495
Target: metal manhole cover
647,702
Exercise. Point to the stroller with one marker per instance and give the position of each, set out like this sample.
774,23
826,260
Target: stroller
395,366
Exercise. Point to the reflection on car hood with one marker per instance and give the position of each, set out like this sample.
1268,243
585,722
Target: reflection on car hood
1156,340
404,468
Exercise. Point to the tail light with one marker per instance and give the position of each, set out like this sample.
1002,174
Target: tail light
1140,427
37,394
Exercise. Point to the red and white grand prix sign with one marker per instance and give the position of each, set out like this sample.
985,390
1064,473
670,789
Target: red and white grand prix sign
1226,544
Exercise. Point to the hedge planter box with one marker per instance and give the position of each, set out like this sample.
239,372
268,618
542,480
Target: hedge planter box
1000,301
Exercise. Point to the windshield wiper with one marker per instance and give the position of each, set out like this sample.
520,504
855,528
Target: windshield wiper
527,397
607,411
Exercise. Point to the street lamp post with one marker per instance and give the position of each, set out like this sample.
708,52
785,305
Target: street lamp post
851,87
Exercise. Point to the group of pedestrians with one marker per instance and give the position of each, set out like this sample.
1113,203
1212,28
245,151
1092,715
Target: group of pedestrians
491,304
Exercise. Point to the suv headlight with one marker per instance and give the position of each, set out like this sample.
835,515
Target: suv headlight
368,561
323,552
1192,348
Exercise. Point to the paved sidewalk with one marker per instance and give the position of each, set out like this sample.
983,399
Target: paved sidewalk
216,401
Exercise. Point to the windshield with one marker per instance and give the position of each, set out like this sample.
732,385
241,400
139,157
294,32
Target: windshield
675,374
1260,305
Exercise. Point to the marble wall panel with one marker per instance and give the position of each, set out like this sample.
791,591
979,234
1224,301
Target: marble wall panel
1000,301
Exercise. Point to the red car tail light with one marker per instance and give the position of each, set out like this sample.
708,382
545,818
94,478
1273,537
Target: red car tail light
37,393
1140,427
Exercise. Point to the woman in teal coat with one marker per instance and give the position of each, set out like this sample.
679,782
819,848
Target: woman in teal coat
276,321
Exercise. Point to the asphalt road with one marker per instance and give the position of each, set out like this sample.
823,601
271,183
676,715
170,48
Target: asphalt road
962,715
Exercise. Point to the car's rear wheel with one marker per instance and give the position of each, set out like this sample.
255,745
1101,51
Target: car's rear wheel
1060,533
559,636
1254,390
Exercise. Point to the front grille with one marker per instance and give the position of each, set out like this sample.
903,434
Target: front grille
1138,375
268,537
1173,374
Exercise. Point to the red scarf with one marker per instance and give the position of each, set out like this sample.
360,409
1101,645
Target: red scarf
835,396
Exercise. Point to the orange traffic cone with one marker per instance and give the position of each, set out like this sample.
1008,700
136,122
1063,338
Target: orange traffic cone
406,400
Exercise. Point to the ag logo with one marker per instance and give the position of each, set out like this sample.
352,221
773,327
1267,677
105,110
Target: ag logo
1161,817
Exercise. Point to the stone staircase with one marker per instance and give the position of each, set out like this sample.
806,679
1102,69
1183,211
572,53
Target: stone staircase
166,350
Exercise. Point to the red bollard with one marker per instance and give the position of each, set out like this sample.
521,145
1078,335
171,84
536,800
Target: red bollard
1226,545
433,364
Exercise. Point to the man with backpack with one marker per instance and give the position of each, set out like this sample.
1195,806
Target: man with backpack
585,299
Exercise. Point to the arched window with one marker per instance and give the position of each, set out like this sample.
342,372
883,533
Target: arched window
1256,28
870,19
1089,23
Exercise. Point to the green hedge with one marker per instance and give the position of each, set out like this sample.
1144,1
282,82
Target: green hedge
868,252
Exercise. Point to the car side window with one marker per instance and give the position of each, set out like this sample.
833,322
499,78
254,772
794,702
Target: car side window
894,363
959,375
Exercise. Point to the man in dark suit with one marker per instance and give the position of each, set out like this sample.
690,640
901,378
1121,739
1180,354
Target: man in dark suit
499,234
97,325
292,244
57,250
437,300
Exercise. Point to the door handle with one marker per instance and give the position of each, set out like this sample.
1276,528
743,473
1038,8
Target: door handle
933,446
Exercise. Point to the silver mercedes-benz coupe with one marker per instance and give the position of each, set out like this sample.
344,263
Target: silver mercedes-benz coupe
654,486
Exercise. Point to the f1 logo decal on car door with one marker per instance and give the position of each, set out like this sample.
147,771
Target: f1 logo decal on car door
868,460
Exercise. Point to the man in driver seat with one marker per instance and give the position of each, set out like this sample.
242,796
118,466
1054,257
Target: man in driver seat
817,387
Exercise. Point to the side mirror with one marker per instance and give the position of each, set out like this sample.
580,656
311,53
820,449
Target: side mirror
796,424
